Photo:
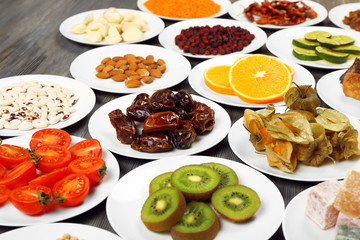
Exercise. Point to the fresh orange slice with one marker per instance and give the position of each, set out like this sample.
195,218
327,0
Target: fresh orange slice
260,78
217,79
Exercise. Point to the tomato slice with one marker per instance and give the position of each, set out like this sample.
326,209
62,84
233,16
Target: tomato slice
49,179
31,199
4,194
93,167
72,190
12,155
52,157
19,175
88,147
2,170
50,136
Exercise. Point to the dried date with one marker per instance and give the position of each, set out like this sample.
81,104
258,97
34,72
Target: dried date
161,121
125,127
152,142
202,117
184,136
184,100
163,100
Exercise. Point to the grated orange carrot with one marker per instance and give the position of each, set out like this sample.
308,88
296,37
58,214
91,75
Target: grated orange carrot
183,8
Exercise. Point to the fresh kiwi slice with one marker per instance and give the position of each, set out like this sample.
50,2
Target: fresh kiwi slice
163,209
197,182
160,181
236,203
198,222
228,176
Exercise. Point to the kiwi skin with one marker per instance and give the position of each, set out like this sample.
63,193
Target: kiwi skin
207,234
167,223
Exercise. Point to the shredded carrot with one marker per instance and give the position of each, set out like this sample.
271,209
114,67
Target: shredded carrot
183,8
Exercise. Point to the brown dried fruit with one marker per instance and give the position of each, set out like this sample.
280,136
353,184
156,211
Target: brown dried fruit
148,79
155,73
103,75
108,68
143,72
133,83
119,77
99,68
105,60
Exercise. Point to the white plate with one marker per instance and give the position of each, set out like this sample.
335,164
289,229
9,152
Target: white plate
331,92
155,25
280,44
56,230
10,216
301,227
106,134
167,37
196,80
237,12
224,4
83,67
240,144
124,204
83,106
337,14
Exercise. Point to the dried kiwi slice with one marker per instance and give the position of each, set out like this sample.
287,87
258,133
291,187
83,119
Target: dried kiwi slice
236,203
228,176
160,181
198,222
163,209
197,182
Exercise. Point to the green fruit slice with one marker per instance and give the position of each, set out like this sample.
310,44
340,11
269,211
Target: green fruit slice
198,222
197,182
303,43
163,209
313,36
236,203
335,41
351,49
228,176
160,181
305,54
331,56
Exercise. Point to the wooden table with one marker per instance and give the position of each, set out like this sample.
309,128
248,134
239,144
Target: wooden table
32,44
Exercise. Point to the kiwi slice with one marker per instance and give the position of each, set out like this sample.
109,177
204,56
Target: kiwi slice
228,176
160,181
198,222
163,209
197,182
236,203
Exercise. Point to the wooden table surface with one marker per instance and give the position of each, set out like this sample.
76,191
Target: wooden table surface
30,43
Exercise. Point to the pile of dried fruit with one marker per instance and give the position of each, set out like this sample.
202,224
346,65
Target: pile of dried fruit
213,40
134,70
353,20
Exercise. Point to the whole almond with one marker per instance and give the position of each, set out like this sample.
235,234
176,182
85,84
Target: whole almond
103,75
105,60
120,63
160,62
130,72
99,68
148,79
143,72
140,58
110,63
124,67
162,68
133,83
135,77
116,72
148,61
108,68
152,66
133,66
155,73
149,57
117,58
131,57
119,77
141,65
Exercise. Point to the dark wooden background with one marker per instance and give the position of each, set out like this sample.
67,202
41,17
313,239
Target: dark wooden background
30,43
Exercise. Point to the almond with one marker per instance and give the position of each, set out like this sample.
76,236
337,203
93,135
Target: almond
155,73
103,75
141,65
117,58
110,63
135,77
133,66
162,68
140,58
148,79
133,83
108,68
119,77
143,72
130,72
160,62
120,63
116,72
129,57
105,60
152,66
124,67
149,57
99,68
148,62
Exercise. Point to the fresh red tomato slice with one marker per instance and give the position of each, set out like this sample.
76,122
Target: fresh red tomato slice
49,179
88,147
93,167
50,136
12,155
19,175
52,157
72,190
31,199
2,170
4,194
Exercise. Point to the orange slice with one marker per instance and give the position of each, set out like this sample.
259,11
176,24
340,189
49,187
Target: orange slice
260,78
217,79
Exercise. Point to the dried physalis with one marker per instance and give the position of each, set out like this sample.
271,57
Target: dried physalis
302,98
344,144
280,155
332,120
